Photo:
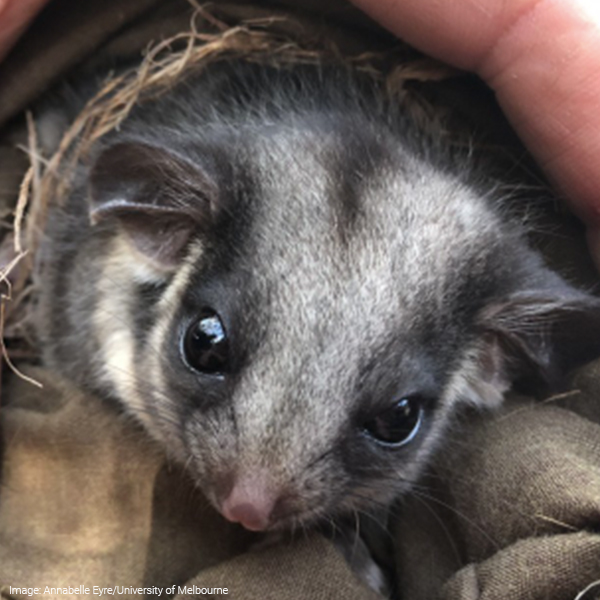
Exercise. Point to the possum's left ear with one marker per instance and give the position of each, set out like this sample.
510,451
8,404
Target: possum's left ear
536,336
158,198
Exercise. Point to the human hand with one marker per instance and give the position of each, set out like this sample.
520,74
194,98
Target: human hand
15,15
542,58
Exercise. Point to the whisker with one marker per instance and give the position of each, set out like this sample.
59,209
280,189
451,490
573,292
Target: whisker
462,516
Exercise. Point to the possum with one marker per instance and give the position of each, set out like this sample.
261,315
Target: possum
293,287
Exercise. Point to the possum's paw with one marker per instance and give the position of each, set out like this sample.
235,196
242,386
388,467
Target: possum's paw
356,552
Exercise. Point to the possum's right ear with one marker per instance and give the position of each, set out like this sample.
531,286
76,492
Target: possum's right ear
530,339
537,336
159,198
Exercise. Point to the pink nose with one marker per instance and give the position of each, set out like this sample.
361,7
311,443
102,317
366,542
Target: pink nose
251,517
250,502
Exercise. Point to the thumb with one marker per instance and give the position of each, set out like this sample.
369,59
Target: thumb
542,58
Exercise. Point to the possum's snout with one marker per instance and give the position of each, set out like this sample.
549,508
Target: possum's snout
255,501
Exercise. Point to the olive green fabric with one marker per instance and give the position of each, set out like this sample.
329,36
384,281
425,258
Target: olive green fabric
510,511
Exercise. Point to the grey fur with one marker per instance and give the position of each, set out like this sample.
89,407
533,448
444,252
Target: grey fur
352,260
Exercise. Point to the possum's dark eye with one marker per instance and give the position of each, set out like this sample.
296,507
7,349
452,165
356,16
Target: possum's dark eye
206,346
397,425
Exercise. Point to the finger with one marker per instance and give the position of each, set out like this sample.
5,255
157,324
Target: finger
15,15
542,57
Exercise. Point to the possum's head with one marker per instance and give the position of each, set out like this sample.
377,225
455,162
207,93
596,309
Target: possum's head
308,305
